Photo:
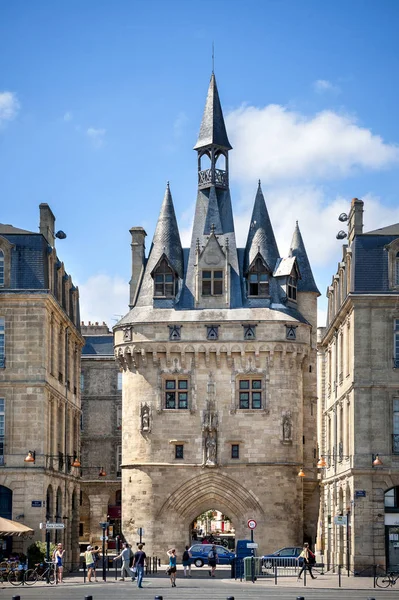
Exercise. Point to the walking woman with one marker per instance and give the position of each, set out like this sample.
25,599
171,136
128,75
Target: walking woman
187,556
172,566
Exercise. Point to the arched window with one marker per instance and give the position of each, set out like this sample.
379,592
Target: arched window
164,280
258,279
1,268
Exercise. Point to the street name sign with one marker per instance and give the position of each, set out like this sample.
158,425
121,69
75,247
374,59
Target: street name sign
52,526
340,520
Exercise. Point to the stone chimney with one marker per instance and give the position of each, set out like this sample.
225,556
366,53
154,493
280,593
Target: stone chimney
138,260
47,222
355,219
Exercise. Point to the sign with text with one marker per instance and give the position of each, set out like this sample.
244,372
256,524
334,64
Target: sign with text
36,503
53,526
360,493
340,520
252,545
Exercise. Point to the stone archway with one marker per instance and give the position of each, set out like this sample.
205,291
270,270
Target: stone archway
210,490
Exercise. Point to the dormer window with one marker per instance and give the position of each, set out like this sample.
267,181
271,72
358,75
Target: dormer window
258,279
212,283
164,280
291,288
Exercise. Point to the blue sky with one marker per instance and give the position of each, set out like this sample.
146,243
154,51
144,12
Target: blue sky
101,102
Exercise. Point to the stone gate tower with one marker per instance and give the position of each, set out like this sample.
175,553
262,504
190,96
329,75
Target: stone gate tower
219,370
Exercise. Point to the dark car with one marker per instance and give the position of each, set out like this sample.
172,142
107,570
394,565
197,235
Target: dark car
283,557
200,553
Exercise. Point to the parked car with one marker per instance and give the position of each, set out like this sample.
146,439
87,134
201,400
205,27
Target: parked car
283,557
200,554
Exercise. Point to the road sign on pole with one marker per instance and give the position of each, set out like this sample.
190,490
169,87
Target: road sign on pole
251,523
52,526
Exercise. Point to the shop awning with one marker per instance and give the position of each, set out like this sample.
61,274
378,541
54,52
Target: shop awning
10,528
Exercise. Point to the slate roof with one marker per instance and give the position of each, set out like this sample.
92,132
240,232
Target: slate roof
28,260
6,229
213,129
98,345
261,235
389,230
370,263
306,283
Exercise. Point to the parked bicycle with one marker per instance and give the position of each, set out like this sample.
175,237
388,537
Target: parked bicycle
13,572
389,579
42,572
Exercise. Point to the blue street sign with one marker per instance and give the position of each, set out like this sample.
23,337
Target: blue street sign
360,493
36,503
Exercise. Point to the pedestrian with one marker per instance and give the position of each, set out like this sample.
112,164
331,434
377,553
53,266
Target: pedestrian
187,556
96,556
58,556
89,558
308,560
172,566
139,562
125,556
212,560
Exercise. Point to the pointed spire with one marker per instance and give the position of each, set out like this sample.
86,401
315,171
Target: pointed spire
213,129
166,237
297,249
261,236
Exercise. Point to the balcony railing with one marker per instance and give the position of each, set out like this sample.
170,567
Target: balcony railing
205,178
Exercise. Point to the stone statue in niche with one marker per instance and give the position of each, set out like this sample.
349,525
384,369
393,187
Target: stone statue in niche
145,418
211,448
287,428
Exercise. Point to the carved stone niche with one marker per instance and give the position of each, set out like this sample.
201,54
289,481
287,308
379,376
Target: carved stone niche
286,424
145,418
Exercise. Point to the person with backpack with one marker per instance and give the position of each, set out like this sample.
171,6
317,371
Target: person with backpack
186,560
309,560
213,559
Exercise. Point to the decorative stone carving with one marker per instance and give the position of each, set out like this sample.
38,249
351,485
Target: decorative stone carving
210,424
287,427
145,418
127,334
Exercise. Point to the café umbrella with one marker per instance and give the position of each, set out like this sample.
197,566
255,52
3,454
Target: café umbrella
11,528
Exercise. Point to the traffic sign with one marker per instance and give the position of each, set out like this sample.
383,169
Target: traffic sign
52,526
140,531
252,545
340,520
251,523
104,538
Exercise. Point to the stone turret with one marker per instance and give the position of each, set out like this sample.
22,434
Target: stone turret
260,235
138,261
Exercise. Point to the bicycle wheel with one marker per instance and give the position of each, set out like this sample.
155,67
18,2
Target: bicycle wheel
51,576
15,577
31,577
383,581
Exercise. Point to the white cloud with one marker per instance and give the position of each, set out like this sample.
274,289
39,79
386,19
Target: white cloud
9,106
322,85
103,298
68,116
277,144
96,136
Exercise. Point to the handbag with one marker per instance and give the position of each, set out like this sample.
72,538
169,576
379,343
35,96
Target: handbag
134,570
168,571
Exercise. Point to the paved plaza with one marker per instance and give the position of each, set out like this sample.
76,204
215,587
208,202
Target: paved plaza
201,587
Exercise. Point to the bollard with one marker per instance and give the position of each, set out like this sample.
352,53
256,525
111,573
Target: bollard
88,597
158,598
16,598
300,598
230,598
339,575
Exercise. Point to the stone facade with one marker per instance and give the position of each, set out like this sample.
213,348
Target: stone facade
219,371
101,433
359,407
39,385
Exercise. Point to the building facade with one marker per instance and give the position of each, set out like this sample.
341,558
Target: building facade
40,347
101,436
359,402
219,370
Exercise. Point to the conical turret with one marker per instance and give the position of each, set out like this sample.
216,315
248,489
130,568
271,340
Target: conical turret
306,283
261,236
166,237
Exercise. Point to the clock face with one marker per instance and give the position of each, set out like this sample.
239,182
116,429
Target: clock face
251,523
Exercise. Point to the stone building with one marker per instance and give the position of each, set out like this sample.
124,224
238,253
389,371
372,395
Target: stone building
219,359
40,346
101,436
359,401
